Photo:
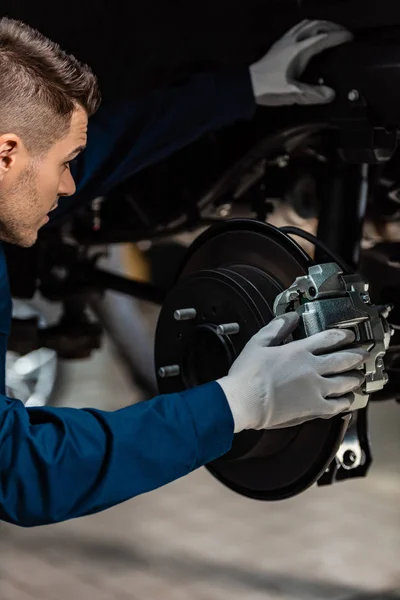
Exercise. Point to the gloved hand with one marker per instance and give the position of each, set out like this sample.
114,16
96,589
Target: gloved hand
275,76
270,386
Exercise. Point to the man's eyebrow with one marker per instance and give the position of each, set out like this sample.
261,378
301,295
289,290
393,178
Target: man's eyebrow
76,151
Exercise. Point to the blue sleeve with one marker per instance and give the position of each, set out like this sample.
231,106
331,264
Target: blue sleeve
61,463
129,135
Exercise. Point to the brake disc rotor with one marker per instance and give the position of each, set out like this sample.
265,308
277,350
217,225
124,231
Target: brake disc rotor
232,275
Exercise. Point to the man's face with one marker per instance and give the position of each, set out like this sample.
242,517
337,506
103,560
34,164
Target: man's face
30,187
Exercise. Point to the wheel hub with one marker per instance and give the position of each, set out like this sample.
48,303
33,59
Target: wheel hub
206,344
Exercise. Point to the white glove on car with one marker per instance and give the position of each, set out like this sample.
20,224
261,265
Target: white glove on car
271,386
275,76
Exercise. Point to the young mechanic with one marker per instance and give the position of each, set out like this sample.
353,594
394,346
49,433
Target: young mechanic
61,463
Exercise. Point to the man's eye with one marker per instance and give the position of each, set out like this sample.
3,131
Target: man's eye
68,164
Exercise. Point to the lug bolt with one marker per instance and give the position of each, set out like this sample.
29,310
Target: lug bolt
185,314
224,210
283,161
379,363
353,95
349,458
170,371
228,329
366,298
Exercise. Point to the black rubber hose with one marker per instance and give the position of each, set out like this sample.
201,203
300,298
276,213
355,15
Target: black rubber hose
313,240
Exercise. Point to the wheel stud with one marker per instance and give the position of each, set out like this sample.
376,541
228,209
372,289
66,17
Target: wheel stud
185,314
170,371
228,329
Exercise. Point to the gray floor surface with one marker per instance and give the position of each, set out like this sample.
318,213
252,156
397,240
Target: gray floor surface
196,540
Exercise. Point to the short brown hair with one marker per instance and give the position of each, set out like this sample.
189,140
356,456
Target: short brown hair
40,86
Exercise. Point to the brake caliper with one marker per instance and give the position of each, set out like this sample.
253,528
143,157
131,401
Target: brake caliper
327,298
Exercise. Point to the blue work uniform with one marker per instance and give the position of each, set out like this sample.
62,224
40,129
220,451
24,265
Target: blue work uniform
61,463
126,136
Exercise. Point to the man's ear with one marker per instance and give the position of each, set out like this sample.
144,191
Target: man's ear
9,147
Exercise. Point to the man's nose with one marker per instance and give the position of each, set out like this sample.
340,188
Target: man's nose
67,185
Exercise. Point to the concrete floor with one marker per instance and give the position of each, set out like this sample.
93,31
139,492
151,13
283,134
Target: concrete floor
195,540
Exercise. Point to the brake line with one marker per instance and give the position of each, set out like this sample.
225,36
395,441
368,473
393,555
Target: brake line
309,237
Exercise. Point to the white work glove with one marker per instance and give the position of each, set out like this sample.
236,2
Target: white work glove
275,76
271,386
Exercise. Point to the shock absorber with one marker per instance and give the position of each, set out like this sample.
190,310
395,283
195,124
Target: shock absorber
343,209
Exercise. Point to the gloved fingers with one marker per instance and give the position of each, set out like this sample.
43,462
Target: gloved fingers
295,422
327,408
327,341
337,406
339,385
277,331
309,48
288,97
297,93
308,95
340,362
321,41
296,29
309,28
